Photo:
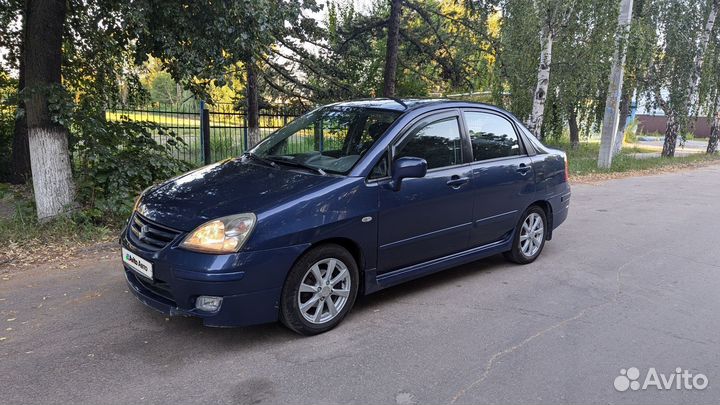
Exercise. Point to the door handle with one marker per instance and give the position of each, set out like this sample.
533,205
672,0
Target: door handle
457,181
523,169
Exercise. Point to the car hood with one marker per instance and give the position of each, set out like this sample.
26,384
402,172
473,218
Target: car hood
229,187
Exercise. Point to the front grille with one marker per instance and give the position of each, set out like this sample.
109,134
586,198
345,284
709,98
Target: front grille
148,235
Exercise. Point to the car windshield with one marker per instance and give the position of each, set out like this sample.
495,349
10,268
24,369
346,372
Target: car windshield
330,139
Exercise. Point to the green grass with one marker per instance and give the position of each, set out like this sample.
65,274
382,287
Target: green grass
157,118
191,120
583,161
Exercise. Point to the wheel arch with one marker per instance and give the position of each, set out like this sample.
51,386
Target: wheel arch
547,208
352,247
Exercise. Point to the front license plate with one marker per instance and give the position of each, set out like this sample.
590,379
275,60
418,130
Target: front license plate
137,263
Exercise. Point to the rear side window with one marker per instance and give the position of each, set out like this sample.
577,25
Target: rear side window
438,142
492,136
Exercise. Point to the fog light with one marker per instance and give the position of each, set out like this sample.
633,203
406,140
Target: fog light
208,303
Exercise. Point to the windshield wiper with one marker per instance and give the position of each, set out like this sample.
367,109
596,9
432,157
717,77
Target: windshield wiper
261,159
298,164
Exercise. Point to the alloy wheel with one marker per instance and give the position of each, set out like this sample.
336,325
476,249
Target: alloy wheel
324,290
532,234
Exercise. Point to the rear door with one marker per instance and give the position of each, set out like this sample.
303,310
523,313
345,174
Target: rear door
503,178
429,217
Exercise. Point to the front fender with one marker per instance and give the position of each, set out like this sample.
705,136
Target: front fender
345,209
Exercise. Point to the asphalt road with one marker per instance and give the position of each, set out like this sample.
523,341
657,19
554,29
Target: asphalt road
632,279
690,147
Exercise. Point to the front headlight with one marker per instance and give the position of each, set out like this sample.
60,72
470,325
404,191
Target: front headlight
222,235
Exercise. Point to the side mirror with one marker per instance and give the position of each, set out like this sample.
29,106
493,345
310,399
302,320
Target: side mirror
407,167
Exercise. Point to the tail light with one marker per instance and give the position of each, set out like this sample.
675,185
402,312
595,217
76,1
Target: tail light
567,169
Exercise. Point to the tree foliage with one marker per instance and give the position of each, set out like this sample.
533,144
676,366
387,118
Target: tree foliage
583,37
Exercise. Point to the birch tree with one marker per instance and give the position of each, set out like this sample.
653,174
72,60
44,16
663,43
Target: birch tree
684,30
553,15
696,73
535,121
709,92
582,47
582,58
530,27
712,146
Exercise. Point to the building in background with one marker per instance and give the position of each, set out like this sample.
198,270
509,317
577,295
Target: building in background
653,121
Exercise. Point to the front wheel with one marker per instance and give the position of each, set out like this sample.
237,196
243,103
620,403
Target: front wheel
320,290
529,237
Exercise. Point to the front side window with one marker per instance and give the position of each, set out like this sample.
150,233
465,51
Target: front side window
439,143
492,136
332,138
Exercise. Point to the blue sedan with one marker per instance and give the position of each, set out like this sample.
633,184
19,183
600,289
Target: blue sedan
346,200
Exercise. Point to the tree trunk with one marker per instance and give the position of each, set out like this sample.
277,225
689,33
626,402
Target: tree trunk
574,129
391,54
611,116
20,149
48,143
671,132
712,146
535,121
253,118
624,113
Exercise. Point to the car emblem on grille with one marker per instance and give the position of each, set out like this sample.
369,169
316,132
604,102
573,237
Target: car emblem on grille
143,230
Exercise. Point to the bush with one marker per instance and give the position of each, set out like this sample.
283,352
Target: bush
116,160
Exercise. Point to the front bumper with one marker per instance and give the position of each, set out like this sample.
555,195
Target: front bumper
249,282
236,310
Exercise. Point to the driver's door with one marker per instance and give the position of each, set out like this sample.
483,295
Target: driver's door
428,217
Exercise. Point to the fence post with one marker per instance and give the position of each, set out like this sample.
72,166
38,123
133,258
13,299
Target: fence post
245,132
205,133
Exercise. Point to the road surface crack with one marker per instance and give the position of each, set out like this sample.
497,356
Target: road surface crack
493,359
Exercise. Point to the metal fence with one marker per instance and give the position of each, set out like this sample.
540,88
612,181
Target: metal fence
211,132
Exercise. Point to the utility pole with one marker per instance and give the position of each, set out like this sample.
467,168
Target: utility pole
612,104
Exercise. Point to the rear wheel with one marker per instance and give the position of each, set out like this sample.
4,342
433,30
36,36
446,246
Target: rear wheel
320,290
529,238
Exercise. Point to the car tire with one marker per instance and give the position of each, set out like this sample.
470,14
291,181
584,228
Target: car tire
299,309
526,244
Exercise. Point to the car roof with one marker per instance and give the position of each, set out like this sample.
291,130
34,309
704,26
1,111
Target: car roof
408,104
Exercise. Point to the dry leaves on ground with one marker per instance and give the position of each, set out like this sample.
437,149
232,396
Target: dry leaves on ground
15,256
